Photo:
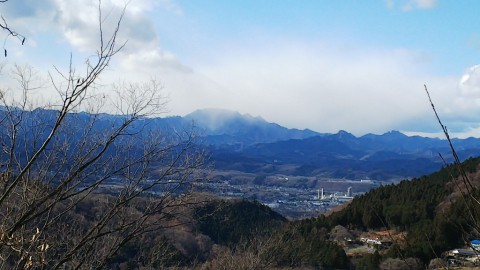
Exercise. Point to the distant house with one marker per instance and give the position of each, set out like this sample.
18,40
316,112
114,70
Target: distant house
464,254
377,242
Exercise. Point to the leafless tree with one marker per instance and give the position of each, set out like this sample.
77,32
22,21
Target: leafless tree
10,32
463,182
56,166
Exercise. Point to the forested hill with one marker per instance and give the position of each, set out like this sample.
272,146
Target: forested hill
417,207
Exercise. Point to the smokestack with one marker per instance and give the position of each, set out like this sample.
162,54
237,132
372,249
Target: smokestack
349,192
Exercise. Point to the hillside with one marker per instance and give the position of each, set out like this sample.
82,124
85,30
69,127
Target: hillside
216,233
430,211
137,218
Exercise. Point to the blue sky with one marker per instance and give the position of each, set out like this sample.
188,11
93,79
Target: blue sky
325,65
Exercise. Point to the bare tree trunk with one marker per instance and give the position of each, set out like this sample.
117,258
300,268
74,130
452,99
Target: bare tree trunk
56,165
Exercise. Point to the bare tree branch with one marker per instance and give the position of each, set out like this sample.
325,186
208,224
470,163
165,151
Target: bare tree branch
10,32
117,179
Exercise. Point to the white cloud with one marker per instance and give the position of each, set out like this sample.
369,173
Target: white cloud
328,87
142,52
425,3
470,82
468,98
457,101
303,84
408,5
29,17
78,21
151,61
171,6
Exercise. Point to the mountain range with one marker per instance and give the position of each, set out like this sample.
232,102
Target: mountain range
250,144
226,128
240,142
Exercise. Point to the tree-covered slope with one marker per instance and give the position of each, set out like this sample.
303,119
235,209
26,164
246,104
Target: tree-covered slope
228,222
413,207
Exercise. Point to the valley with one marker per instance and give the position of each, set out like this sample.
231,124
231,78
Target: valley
294,197
248,189
286,169
233,135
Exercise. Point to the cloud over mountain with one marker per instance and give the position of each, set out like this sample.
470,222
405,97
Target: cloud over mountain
326,66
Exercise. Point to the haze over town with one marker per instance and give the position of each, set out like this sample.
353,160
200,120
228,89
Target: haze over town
359,66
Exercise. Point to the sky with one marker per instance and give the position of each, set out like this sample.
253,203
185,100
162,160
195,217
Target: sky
358,66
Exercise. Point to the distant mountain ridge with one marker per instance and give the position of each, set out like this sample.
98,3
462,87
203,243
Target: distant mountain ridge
342,155
253,145
224,127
